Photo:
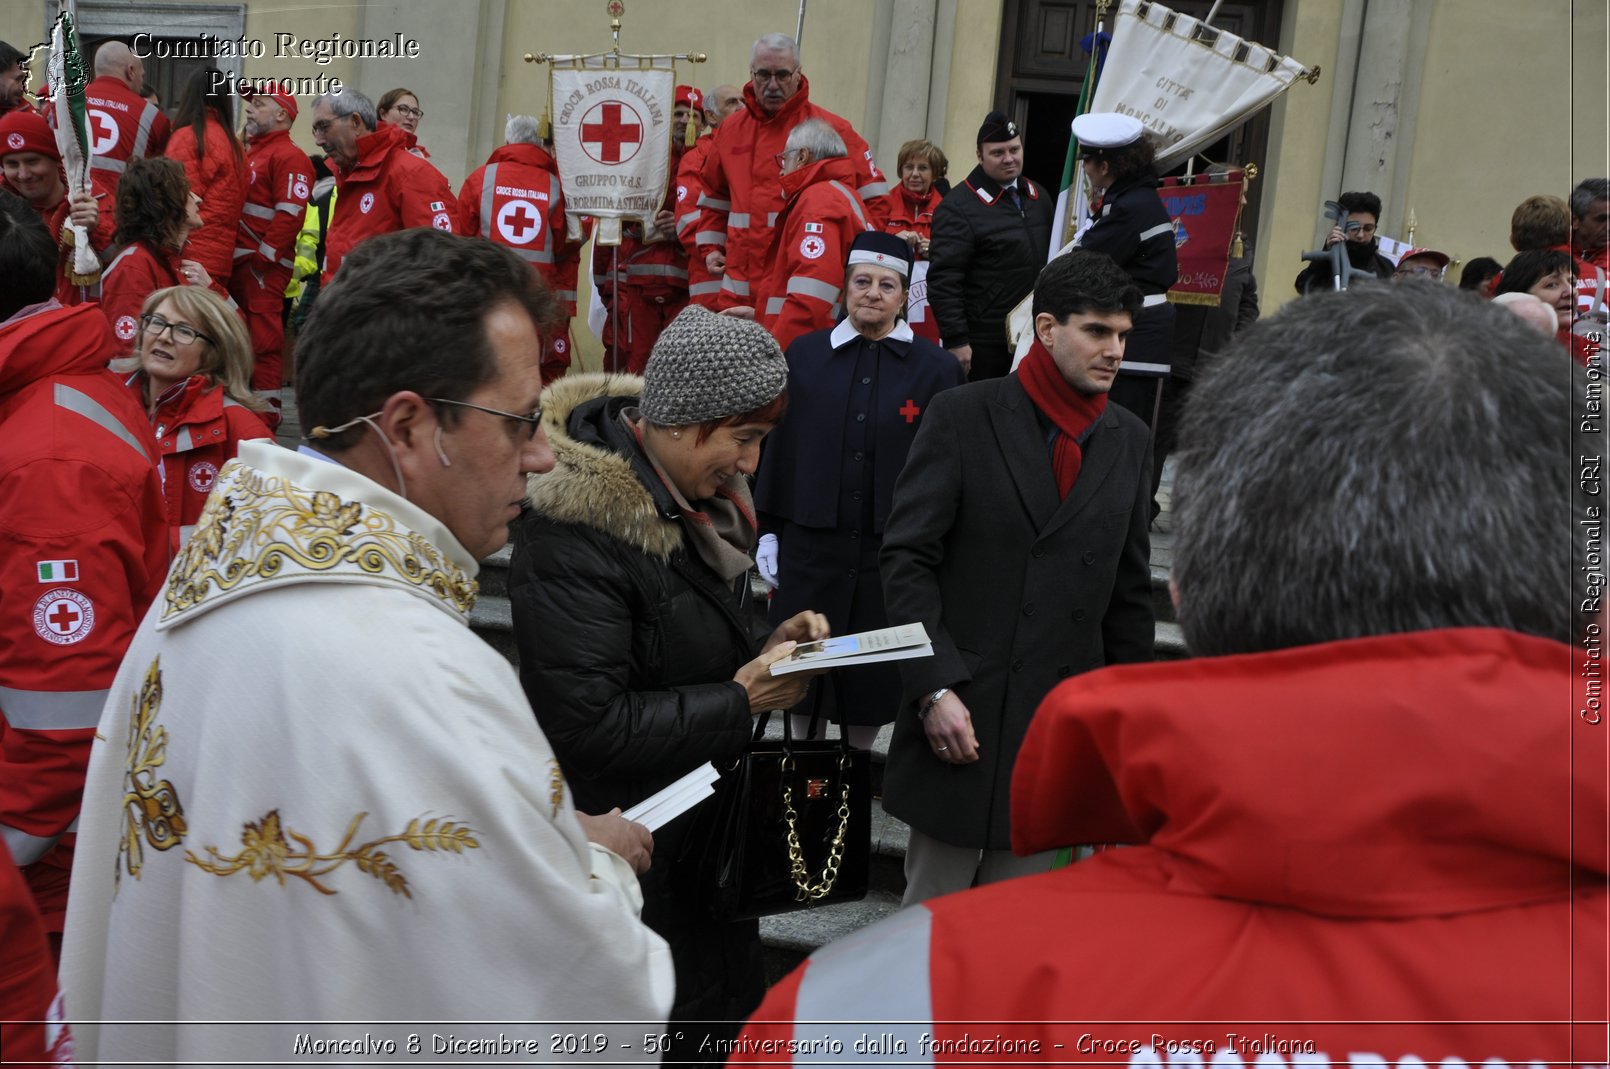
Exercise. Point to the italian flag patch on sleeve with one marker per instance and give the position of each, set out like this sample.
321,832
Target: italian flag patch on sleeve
58,571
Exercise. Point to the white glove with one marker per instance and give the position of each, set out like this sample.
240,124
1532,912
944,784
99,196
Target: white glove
766,559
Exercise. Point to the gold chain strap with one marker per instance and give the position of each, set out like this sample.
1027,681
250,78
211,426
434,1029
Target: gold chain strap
805,890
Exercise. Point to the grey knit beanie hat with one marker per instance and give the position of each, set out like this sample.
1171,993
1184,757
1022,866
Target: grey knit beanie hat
707,366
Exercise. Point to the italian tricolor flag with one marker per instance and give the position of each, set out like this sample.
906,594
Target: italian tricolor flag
58,571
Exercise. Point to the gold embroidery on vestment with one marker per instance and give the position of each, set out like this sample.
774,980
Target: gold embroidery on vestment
556,781
259,527
268,851
151,809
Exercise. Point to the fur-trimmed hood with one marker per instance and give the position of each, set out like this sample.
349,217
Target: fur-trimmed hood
596,486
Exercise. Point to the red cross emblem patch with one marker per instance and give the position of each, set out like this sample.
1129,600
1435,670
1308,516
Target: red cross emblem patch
203,473
911,411
63,616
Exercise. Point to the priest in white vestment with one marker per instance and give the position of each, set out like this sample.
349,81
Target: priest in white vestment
316,795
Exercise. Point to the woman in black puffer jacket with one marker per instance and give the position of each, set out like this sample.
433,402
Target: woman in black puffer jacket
641,649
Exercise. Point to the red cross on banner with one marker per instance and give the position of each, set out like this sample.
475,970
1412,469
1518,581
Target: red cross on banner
610,133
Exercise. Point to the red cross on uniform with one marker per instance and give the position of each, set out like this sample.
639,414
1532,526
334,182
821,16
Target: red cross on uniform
911,411
64,618
519,222
611,132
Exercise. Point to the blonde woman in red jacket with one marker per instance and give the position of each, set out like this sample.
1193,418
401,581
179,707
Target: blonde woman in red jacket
204,142
192,370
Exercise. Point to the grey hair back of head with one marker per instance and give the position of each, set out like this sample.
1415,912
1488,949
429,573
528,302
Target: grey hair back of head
1392,458
522,130
817,137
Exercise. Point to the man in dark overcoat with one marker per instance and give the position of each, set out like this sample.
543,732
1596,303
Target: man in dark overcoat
1018,537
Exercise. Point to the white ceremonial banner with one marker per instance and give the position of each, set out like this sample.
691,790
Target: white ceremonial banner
612,139
1187,83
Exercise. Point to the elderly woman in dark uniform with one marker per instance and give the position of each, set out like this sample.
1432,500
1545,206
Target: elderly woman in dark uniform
856,398
1130,224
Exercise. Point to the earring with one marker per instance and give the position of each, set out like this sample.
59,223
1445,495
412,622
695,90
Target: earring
676,434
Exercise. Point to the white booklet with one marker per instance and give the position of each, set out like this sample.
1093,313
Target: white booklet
869,647
662,807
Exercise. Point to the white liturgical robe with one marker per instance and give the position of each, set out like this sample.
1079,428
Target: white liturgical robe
317,796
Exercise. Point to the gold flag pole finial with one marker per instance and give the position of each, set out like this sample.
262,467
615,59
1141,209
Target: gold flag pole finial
1412,225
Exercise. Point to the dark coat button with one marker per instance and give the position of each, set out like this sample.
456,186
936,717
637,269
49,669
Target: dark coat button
1037,552
1090,556
1078,614
1028,610
1017,665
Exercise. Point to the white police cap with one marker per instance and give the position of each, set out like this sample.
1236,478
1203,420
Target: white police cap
1106,130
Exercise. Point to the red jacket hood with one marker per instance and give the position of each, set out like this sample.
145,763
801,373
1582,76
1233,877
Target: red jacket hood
788,113
530,155
837,169
1401,775
373,148
55,341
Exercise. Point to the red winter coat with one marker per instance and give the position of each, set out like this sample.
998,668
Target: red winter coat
514,199
197,431
27,977
1386,851
810,243
281,178
133,275
388,189
220,179
83,550
743,190
908,213
123,125
55,220
703,287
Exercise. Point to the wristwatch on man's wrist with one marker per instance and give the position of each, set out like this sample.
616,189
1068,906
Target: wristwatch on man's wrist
926,706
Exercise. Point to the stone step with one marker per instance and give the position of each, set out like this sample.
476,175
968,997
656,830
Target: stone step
789,938
494,575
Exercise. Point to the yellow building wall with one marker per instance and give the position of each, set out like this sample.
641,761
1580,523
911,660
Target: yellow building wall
1484,143
1293,171
972,81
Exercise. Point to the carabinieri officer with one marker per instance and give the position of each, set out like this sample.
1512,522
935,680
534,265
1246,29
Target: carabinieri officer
856,395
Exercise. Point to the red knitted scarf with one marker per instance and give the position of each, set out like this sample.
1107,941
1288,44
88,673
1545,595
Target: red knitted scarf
1072,412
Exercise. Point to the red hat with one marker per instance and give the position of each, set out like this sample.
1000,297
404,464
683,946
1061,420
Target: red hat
279,92
1440,257
686,94
24,131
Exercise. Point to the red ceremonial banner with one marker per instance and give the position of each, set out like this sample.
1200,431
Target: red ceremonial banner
1205,209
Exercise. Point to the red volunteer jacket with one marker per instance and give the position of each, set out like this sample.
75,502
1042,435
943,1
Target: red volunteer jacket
703,287
55,220
220,180
658,268
908,213
743,191
809,246
33,1031
83,550
514,199
388,189
123,125
1386,851
133,275
281,177
197,431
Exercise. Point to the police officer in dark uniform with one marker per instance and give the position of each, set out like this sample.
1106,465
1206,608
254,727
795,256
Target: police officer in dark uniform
1130,224
991,236
856,395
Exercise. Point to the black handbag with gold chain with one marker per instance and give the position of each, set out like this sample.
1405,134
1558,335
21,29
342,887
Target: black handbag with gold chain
790,827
